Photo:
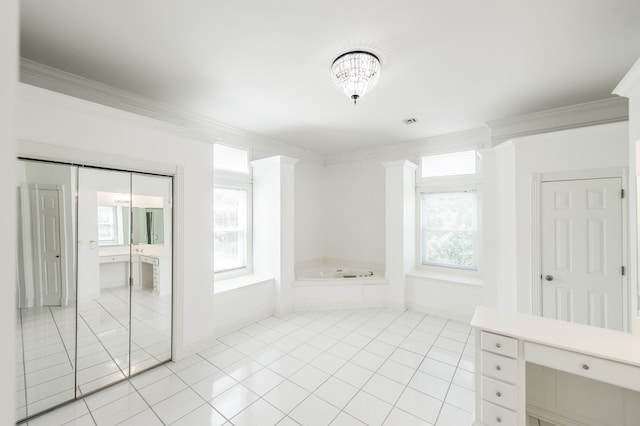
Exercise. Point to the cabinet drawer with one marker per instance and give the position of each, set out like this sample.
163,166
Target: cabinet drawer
114,258
603,370
499,367
499,393
493,415
499,344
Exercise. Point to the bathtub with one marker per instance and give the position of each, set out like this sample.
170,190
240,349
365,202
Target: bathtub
325,285
336,272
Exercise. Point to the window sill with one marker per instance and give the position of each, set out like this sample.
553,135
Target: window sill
447,277
230,284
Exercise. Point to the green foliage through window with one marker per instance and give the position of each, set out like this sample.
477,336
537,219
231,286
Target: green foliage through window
449,229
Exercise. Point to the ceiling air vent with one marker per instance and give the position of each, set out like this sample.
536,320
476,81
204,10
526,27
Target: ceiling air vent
410,120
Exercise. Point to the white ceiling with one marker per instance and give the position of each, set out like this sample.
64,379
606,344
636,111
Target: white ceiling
263,66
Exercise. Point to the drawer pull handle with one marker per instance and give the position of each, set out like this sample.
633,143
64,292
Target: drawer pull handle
498,345
498,394
585,367
498,368
499,419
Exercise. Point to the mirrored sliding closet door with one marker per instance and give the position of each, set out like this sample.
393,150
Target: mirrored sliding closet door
46,286
151,292
94,286
104,269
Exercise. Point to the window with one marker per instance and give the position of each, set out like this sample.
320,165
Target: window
230,229
451,164
228,159
232,212
449,229
107,225
448,201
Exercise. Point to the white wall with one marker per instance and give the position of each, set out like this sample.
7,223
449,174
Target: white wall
236,308
446,297
310,211
505,292
355,219
594,147
629,87
95,134
8,80
454,293
355,215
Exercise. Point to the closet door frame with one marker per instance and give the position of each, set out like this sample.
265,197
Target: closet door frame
33,151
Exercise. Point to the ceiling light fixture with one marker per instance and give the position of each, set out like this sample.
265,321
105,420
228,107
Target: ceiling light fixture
356,73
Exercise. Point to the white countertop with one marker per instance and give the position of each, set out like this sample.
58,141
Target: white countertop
599,342
146,250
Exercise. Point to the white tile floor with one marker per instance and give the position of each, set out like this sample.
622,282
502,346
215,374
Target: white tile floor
340,367
46,351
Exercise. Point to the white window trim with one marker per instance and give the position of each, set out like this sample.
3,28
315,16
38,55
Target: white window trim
467,273
236,181
476,238
118,230
455,183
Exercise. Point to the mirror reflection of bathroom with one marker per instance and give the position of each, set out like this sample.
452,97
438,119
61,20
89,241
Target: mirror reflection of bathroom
104,200
151,258
94,280
45,288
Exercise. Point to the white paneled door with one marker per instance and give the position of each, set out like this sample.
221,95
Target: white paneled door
50,249
582,266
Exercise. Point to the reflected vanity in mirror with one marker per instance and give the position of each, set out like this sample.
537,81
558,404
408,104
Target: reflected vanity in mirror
94,282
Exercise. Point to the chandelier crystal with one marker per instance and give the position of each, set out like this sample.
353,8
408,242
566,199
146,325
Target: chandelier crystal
356,73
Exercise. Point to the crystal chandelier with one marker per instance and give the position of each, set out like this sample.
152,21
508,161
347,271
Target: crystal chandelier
356,73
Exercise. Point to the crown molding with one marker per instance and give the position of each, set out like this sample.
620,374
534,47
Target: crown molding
191,125
204,129
401,163
629,82
610,110
469,139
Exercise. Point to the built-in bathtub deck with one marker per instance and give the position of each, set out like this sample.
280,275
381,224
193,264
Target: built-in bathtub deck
339,285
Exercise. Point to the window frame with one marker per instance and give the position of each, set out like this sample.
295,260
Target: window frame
476,241
228,180
116,226
451,184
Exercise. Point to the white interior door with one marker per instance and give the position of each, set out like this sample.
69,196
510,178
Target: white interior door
582,274
50,248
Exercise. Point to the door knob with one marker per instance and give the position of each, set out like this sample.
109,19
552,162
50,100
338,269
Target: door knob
548,277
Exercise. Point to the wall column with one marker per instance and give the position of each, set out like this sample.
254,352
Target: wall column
400,228
273,226
630,87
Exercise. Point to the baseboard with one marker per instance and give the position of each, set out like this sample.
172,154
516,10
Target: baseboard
301,307
551,417
237,325
456,316
182,352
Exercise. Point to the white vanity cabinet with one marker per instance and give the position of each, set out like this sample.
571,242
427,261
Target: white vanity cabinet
149,273
561,372
145,271
498,379
115,268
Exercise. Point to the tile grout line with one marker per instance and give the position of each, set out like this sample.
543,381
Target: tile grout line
106,350
61,338
24,366
325,324
452,378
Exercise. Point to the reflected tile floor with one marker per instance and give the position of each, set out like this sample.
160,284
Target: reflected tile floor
338,367
46,351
